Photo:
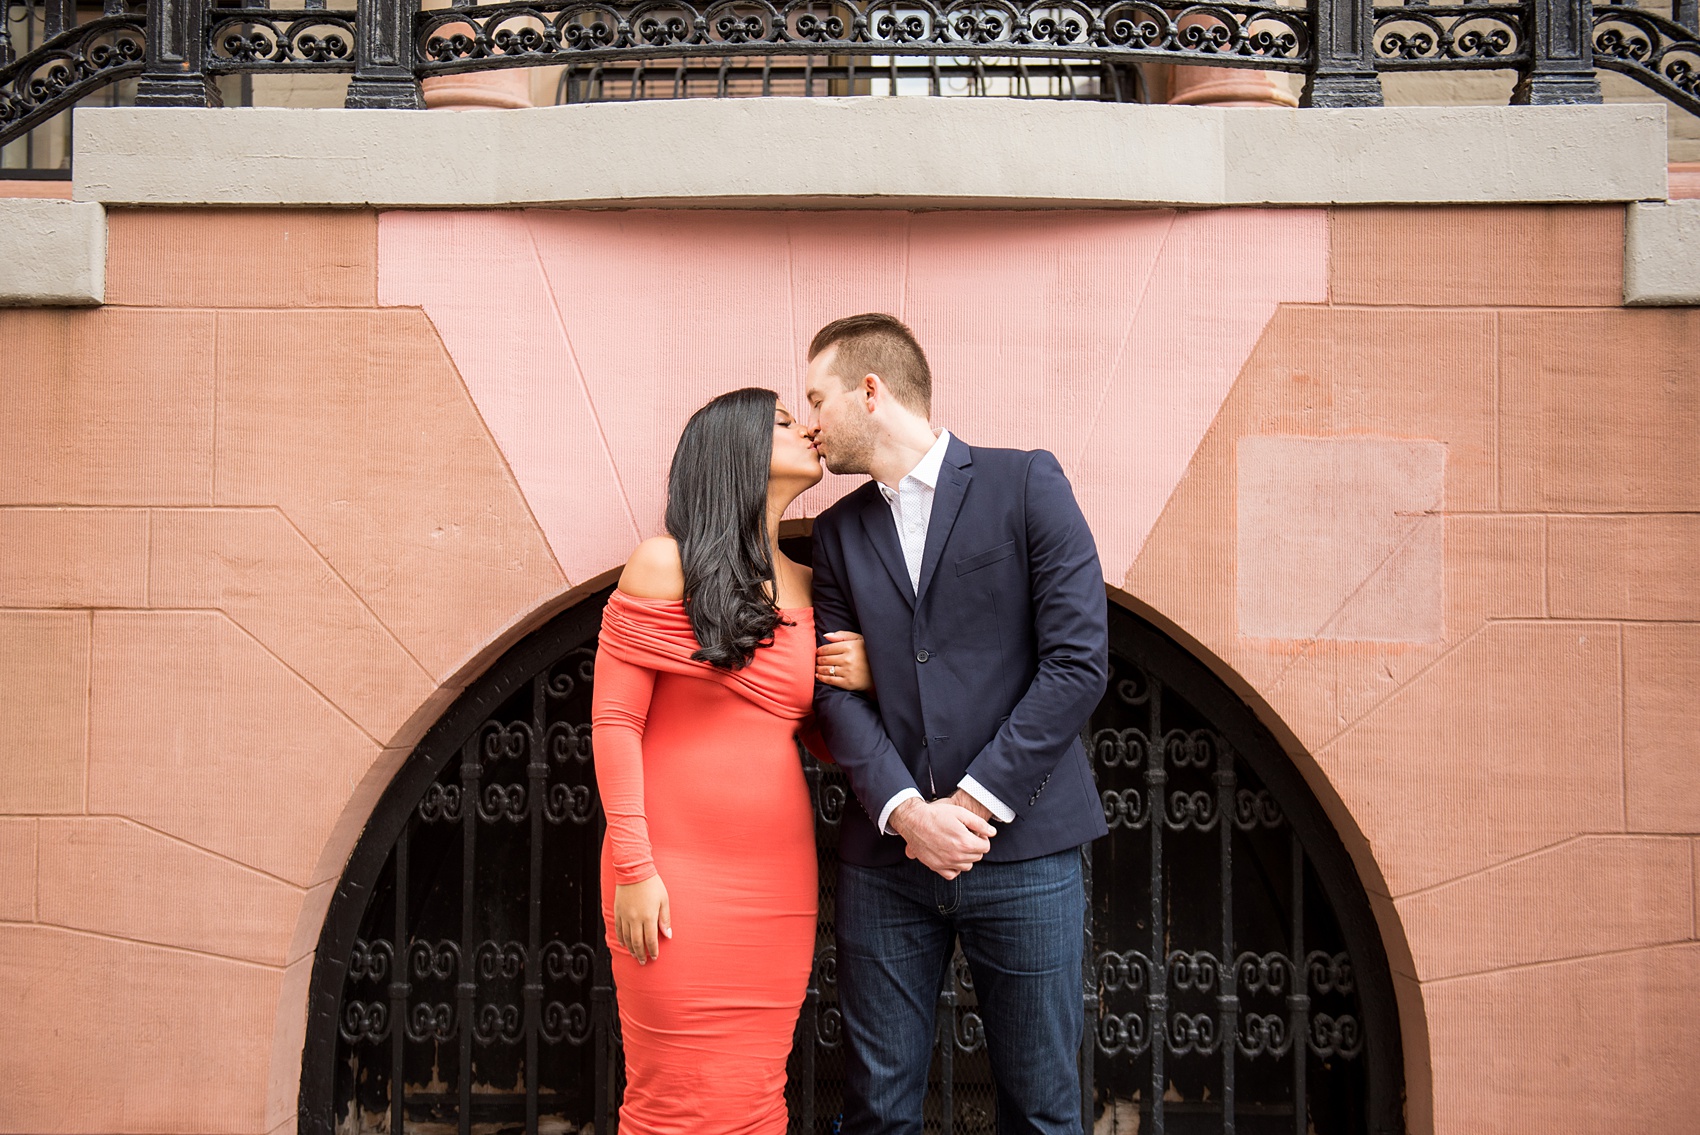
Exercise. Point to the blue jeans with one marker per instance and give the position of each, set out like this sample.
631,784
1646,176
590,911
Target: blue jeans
1021,926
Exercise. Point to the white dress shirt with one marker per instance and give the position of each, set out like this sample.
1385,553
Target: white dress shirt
912,509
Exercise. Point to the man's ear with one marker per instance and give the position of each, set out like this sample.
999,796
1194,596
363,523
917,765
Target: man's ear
872,390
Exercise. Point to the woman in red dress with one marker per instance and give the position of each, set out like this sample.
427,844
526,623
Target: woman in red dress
704,676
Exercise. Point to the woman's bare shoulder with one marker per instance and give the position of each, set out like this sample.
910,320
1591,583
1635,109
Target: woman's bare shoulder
654,570
797,587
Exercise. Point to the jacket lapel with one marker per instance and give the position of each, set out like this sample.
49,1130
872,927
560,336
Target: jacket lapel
882,534
954,477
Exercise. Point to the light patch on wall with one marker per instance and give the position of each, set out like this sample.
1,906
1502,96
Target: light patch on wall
479,278
587,338
1209,290
1341,538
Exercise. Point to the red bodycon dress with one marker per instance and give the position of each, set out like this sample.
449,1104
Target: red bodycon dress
701,784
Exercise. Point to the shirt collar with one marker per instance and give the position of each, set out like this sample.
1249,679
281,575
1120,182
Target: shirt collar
926,470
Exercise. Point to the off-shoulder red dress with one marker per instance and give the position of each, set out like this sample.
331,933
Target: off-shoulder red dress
701,784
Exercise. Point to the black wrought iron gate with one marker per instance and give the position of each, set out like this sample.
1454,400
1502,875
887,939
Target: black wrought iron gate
1235,980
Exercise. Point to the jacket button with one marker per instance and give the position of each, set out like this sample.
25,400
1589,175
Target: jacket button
921,656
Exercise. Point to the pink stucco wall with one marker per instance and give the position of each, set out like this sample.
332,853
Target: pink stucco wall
1409,479
586,339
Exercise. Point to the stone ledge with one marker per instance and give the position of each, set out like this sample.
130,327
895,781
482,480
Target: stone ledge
869,153
1661,254
52,252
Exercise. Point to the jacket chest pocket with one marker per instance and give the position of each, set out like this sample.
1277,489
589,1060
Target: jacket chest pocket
986,558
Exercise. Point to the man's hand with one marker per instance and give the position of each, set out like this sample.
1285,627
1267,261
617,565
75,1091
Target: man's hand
962,800
947,838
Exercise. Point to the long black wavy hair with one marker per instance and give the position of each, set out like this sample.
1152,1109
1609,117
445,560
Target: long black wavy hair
717,511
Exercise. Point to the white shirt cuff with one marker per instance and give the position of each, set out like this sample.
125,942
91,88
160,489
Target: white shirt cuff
891,806
999,810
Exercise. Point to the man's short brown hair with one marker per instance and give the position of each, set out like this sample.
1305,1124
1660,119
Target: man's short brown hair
880,344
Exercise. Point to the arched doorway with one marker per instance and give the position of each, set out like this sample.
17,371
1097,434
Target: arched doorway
1235,980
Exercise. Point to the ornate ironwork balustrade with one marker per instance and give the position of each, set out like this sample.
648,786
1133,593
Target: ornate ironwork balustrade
680,48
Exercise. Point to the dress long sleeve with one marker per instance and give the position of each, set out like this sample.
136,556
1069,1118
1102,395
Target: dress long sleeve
640,639
619,709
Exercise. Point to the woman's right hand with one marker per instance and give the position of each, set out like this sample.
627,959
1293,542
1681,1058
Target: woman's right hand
842,661
642,918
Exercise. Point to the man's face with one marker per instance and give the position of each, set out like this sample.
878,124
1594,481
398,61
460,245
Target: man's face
844,430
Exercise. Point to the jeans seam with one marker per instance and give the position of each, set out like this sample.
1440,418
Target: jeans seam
953,887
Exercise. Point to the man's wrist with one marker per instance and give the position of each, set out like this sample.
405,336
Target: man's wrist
963,799
995,809
898,821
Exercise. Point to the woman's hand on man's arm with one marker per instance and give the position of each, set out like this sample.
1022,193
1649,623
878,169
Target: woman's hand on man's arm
842,661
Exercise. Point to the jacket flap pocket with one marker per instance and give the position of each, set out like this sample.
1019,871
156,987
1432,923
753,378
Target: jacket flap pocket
990,556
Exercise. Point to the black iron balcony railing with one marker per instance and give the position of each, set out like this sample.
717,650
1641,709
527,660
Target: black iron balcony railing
677,48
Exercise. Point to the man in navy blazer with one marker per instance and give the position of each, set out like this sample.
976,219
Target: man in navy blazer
975,582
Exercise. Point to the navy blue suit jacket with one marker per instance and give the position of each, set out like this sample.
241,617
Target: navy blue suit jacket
991,669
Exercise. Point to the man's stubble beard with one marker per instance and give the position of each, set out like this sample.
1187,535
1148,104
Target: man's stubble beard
852,450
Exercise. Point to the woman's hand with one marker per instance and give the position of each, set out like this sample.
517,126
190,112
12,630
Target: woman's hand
642,918
843,662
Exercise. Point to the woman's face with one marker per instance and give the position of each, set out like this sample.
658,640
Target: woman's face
794,454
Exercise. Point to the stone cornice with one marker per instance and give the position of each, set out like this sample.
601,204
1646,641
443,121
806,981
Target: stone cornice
869,153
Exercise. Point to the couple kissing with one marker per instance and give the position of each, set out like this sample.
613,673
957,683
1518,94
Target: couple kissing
945,651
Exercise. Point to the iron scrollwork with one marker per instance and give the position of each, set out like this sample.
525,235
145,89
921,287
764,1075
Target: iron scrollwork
1193,972
74,63
258,39
576,669
441,802
365,1019
1335,1035
1263,973
1428,37
1126,808
365,1022
1192,1033
829,1023
427,960
444,997
1256,809
499,959
431,1021
567,1021
1124,973
502,802
561,961
1209,982
830,799
501,1022
549,31
574,802
370,961
1264,1034
971,39
1658,52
